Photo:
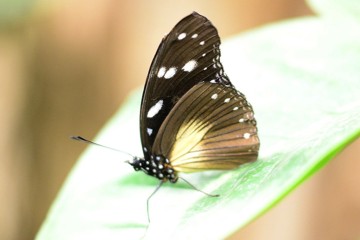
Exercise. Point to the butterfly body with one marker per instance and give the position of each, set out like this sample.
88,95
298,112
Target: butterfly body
157,166
192,118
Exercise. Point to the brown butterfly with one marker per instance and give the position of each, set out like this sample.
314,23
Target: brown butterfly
192,118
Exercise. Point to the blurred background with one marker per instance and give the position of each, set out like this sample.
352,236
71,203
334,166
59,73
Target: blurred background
65,68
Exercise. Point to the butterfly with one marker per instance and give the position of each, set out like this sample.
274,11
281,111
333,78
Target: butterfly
192,118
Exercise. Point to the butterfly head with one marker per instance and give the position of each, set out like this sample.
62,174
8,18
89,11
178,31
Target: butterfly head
157,166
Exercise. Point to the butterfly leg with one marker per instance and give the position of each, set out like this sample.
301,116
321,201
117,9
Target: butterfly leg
148,200
195,188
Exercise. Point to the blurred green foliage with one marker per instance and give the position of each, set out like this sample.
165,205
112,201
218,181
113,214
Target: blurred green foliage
13,12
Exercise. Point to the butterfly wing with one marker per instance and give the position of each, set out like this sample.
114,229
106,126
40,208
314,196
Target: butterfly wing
211,127
189,54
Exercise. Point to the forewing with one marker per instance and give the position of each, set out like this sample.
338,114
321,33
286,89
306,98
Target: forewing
189,54
211,127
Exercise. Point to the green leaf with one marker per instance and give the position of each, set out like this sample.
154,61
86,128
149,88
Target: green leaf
302,78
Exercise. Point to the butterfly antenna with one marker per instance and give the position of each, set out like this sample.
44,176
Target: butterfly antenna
195,188
148,200
81,139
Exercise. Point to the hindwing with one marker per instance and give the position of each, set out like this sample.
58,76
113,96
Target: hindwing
211,127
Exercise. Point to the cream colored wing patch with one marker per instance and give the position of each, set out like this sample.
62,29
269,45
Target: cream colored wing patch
211,127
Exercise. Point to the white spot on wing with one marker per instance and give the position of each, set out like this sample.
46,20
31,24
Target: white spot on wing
189,66
155,109
227,100
246,135
249,115
181,36
202,42
170,72
214,96
241,120
235,108
195,35
161,72
149,131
